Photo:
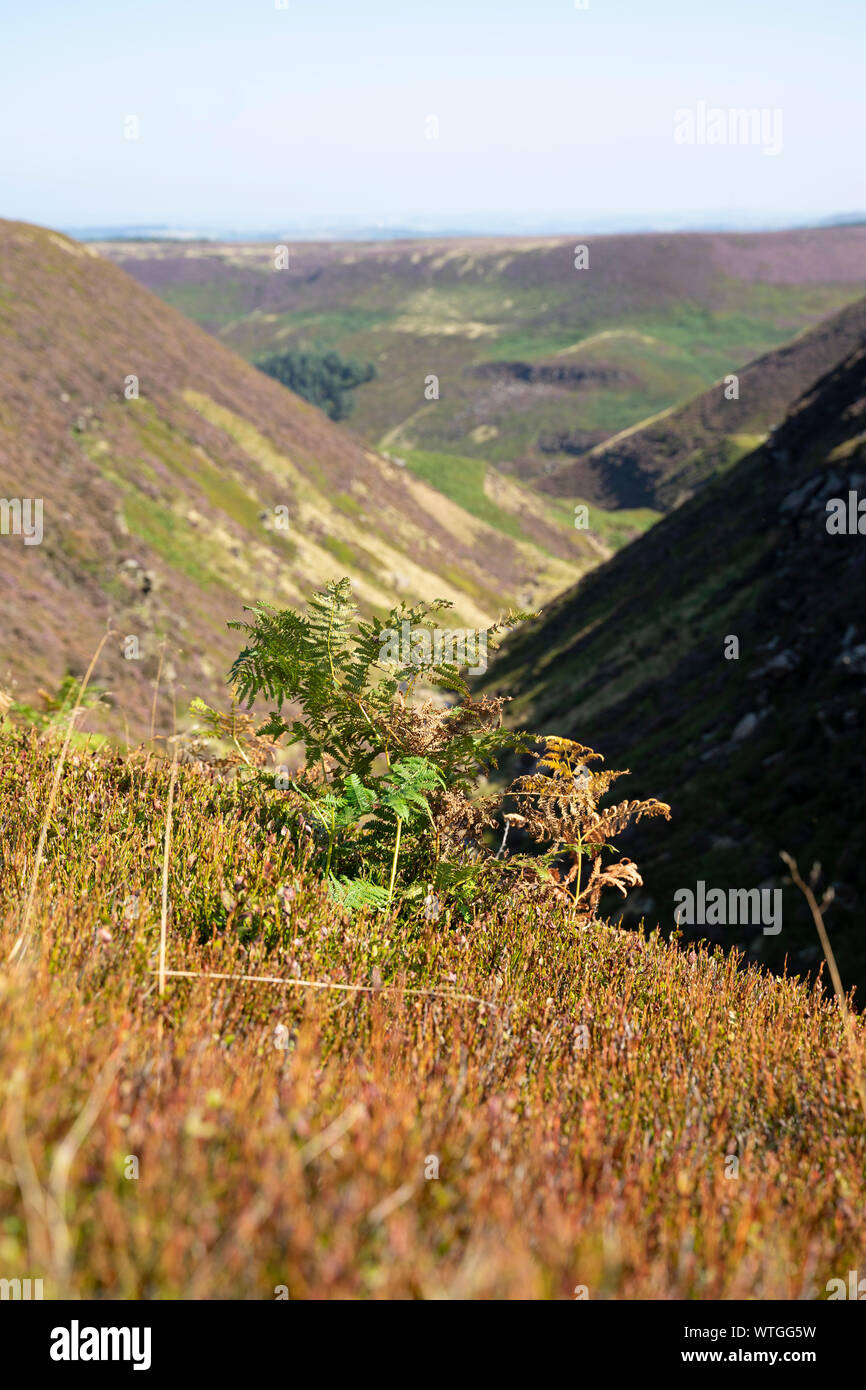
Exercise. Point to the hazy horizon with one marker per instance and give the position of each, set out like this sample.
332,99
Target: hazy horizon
334,229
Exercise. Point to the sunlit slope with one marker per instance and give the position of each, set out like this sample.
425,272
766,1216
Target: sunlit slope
536,360
178,483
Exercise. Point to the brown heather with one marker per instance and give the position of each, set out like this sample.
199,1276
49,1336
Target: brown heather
159,511
581,1114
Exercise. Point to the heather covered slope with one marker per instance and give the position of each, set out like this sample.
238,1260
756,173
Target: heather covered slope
755,754
536,360
506,1108
664,460
163,512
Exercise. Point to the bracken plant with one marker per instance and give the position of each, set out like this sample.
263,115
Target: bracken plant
390,804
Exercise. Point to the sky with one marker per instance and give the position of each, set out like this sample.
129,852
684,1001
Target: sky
482,114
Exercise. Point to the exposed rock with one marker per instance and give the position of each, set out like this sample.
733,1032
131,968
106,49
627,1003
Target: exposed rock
747,725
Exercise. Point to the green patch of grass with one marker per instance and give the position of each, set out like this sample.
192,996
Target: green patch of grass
613,528
617,529
347,555
223,492
173,539
494,601
255,444
311,329
218,302
461,479
346,503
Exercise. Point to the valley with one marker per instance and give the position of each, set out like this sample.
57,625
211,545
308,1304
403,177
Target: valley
722,654
160,504
541,354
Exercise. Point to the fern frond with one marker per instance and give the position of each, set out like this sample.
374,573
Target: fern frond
357,893
605,824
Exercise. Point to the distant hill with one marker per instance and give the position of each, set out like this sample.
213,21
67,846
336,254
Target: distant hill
165,510
756,754
662,461
536,360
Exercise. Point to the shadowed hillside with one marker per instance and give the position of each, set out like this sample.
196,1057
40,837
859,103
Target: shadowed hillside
168,509
755,754
664,460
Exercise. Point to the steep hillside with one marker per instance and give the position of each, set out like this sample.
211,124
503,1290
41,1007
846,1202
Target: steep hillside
755,754
537,360
495,1112
661,462
213,486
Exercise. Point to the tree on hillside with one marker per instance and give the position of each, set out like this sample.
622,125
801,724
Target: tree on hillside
325,379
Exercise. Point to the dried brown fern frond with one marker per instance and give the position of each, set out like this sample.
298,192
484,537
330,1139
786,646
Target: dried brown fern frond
556,801
427,729
460,822
558,806
563,757
605,824
621,876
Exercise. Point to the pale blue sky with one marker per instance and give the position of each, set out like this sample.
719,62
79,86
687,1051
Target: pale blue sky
253,116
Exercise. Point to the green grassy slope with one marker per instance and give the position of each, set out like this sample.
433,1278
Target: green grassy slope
536,360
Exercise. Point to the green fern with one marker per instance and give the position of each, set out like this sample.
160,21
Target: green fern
328,661
367,791
357,893
387,803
